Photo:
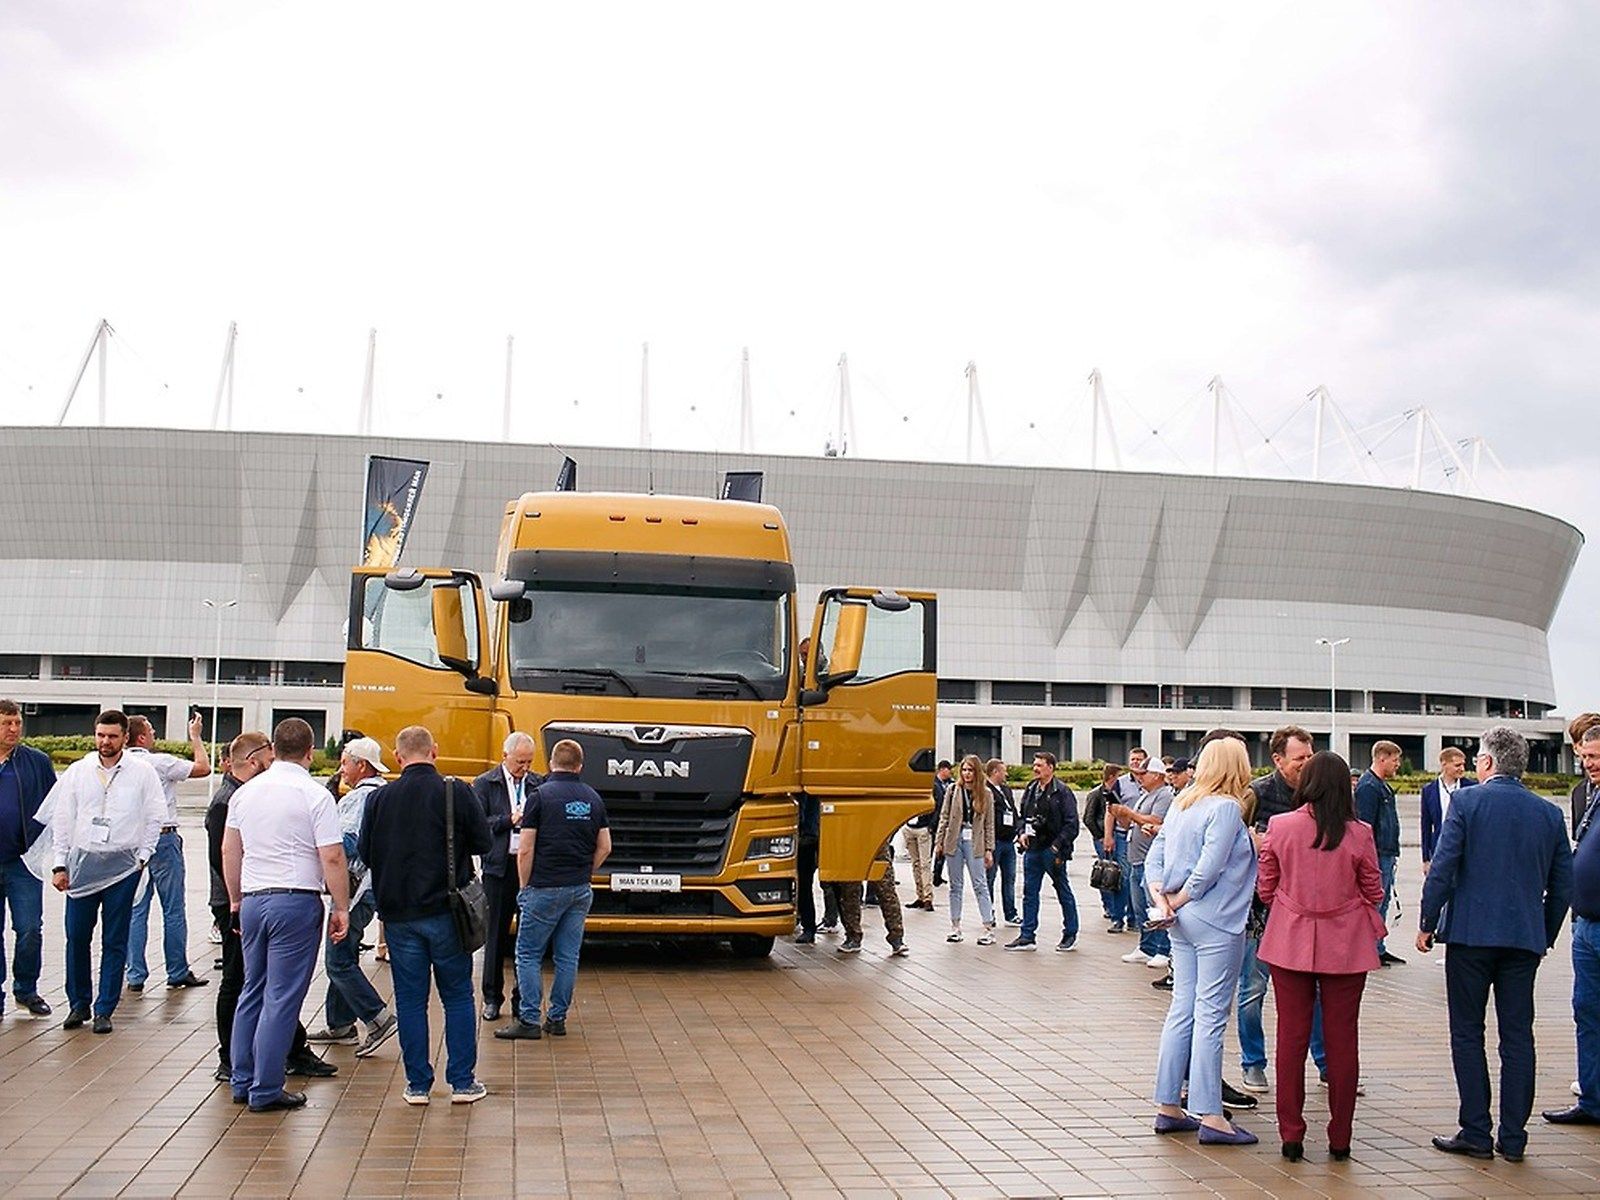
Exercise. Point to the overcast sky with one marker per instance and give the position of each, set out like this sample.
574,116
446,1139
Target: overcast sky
1398,202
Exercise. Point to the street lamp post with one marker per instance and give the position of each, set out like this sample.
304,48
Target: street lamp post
216,606
1333,685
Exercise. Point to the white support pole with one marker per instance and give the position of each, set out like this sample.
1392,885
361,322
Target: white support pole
975,421
364,417
1094,419
747,431
847,418
77,380
1333,645
1477,458
1215,387
1238,442
216,606
1420,415
1450,449
1347,435
1319,395
505,412
644,397
1104,408
105,336
222,415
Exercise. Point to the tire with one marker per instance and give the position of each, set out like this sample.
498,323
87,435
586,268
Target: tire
748,945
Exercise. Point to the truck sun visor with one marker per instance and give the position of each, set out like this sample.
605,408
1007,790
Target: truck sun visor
569,568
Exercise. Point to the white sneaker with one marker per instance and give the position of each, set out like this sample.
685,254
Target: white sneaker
1577,1088
955,936
1158,962
1136,956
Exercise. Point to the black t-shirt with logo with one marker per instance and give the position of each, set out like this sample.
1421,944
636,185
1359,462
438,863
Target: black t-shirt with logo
566,816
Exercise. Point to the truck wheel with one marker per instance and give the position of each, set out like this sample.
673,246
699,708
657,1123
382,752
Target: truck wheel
748,945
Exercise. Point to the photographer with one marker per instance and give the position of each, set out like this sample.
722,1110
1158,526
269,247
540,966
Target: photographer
1049,827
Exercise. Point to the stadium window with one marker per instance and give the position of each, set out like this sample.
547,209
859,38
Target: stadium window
1003,691
1078,695
958,691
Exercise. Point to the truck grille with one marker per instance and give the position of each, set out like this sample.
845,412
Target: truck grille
678,834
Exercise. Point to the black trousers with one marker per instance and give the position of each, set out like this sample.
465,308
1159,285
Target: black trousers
805,869
232,984
1470,973
500,944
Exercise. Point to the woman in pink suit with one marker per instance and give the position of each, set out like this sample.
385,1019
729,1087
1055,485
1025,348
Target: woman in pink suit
1319,873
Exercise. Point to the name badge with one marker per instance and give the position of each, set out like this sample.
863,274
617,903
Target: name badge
966,833
100,830
516,839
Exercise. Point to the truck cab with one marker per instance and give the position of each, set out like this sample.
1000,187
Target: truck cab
661,633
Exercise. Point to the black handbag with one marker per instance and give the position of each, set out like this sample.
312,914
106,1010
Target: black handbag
1106,874
469,904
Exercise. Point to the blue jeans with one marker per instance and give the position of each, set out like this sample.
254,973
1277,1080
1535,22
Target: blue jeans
23,893
1586,1009
415,947
1386,865
351,995
1154,941
1038,862
166,881
1205,972
553,917
279,938
967,862
114,904
1005,864
1253,980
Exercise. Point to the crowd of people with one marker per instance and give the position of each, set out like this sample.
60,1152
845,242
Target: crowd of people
1234,885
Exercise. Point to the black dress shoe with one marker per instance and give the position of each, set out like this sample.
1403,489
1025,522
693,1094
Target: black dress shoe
1454,1145
188,981
1294,1151
309,1066
1164,984
1391,960
556,1028
102,1024
223,1073
1570,1116
35,1004
491,1011
1339,1153
517,1031
136,988
1234,1098
283,1100
76,1019
1508,1155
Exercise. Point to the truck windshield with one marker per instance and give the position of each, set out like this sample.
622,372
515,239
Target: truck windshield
651,641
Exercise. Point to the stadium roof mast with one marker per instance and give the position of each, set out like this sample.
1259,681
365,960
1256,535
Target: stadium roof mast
505,412
102,335
975,414
747,418
1097,398
644,398
1222,405
364,415
847,416
222,417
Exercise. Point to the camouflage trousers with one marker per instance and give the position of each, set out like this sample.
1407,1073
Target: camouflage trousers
888,902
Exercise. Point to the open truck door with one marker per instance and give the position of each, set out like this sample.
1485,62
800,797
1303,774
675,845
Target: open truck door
867,721
417,652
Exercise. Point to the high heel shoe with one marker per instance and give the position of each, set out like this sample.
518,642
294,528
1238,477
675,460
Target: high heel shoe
1340,1155
1294,1151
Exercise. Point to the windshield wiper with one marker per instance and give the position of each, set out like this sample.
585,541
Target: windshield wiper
595,673
728,676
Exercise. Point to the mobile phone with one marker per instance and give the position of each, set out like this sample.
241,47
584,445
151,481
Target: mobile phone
1155,923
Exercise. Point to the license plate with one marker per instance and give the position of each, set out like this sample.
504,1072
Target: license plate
646,882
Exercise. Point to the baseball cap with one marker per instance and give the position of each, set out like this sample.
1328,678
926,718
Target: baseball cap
1179,766
366,749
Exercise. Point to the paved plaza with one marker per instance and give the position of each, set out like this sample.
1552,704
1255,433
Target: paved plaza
960,1070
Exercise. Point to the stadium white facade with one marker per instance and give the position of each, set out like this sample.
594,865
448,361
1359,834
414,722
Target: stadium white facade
1081,611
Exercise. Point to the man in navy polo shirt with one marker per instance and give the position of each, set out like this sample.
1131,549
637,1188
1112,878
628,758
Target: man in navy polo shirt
1586,941
565,838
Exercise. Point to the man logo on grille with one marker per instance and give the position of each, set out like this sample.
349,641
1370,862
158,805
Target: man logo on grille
649,735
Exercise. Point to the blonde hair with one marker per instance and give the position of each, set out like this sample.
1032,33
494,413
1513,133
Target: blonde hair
980,783
1223,769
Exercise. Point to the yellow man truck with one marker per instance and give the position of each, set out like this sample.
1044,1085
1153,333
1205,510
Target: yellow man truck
662,634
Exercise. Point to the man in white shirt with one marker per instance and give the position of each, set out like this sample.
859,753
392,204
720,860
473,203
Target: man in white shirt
166,875
105,818
351,996
281,846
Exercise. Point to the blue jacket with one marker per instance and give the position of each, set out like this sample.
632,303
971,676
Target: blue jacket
1375,805
1206,849
36,775
1501,874
1430,814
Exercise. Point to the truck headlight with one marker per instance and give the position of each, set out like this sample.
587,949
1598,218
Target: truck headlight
771,847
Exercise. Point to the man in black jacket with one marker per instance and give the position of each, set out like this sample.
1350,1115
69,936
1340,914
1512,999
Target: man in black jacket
502,791
403,840
249,754
1049,827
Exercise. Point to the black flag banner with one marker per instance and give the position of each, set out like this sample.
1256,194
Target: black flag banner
394,485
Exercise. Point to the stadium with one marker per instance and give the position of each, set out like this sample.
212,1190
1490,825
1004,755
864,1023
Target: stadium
1082,611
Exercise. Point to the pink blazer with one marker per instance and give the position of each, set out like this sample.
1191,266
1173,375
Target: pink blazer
1324,902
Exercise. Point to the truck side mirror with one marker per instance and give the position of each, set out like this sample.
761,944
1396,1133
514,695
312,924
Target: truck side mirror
404,579
890,600
450,631
844,656
507,590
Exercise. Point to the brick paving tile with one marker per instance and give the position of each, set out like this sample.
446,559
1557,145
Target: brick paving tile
811,1074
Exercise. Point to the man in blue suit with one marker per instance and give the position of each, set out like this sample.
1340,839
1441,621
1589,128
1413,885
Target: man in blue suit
1496,895
1437,795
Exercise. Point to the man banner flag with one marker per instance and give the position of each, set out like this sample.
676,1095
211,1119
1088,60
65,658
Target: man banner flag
394,485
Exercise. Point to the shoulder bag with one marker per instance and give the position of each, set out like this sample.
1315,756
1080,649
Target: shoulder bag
469,905
1106,874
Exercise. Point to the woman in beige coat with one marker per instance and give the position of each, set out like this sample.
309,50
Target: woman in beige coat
966,839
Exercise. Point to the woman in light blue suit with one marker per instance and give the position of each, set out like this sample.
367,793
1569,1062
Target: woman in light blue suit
1201,873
